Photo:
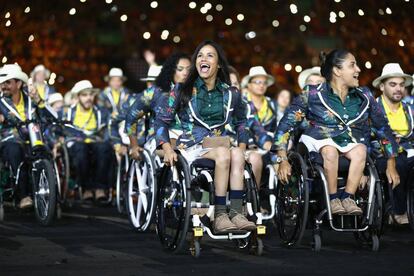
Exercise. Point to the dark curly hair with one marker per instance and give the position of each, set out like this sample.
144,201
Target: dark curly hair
166,76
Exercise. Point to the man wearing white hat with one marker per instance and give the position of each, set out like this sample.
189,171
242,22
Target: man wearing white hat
392,83
40,75
261,117
14,107
115,94
310,76
91,153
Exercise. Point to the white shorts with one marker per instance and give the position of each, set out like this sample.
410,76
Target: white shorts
315,145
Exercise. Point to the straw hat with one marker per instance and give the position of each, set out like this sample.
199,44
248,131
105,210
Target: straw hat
40,68
256,71
153,73
115,72
12,71
83,85
392,70
304,75
55,97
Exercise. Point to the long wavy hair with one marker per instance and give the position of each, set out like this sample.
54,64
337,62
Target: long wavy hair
166,76
186,89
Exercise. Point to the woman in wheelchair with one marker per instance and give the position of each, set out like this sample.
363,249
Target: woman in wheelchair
339,113
205,104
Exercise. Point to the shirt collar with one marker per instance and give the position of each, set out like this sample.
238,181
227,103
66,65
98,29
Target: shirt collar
199,84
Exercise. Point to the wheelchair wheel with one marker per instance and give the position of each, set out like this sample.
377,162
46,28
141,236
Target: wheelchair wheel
252,194
141,192
174,205
121,182
293,203
410,204
63,170
44,190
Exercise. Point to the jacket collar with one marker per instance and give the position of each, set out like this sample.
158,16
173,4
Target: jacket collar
408,114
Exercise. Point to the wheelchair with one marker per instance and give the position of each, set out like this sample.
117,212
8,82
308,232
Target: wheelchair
121,182
185,206
62,167
303,203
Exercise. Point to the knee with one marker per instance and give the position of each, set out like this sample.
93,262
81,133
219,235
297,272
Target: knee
360,153
223,157
256,160
330,155
237,156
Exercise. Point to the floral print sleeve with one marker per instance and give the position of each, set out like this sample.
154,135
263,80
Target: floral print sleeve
165,116
293,117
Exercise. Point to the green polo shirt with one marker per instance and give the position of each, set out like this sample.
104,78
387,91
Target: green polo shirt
347,110
209,103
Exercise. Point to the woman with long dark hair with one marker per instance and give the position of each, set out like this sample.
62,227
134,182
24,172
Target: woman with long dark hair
340,116
205,105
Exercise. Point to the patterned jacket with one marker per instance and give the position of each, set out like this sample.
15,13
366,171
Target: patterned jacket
325,123
105,100
193,127
8,129
261,132
404,142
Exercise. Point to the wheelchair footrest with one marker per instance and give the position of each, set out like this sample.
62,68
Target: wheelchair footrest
347,221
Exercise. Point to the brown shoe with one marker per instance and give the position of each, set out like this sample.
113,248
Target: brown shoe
336,207
87,195
222,224
243,223
401,219
26,202
351,207
100,194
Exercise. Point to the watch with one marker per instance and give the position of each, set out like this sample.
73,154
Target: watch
280,159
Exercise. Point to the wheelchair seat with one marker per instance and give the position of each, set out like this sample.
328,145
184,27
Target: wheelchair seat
204,163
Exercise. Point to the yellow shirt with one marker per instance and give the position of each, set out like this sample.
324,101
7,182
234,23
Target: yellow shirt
116,94
397,120
85,119
41,89
20,108
264,113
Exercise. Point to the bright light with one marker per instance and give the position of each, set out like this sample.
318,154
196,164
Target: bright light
298,68
154,4
388,11
307,18
53,75
27,10
302,28
31,38
203,10
208,6
228,21
275,23
4,60
192,5
176,39
288,67
108,1
384,31
219,7
368,65
250,35
374,51
209,18
72,11
8,23
341,14
361,12
146,35
332,14
165,34
332,19
124,17
293,8
7,15
240,17
337,1
401,43
83,1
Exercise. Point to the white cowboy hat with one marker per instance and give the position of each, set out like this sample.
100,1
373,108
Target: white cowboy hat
256,71
115,72
153,73
12,71
83,85
55,97
40,68
392,70
304,75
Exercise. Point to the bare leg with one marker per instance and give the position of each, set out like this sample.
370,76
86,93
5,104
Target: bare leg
221,156
330,164
257,166
357,156
237,169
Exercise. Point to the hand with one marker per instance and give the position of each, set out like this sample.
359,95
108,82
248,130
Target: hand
392,174
363,182
170,157
33,94
267,146
135,152
284,171
1,118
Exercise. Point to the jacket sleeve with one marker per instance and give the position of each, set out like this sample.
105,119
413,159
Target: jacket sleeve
290,121
164,116
239,118
382,128
136,111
